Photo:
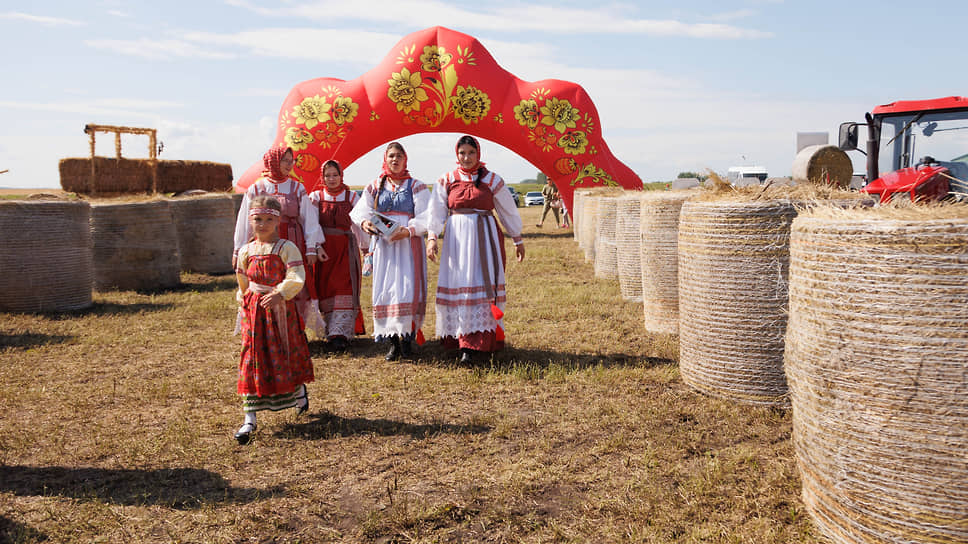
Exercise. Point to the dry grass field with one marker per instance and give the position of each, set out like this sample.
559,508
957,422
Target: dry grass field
117,426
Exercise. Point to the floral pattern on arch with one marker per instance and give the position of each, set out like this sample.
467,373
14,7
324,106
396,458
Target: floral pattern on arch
440,80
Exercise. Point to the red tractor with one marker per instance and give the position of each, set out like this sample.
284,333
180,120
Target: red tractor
904,139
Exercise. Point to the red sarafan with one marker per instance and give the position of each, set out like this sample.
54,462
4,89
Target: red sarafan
440,80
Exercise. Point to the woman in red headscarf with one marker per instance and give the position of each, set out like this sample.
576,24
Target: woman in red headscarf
299,224
470,285
395,210
338,276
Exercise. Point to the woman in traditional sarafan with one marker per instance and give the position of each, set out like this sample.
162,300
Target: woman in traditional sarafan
338,276
395,209
299,223
275,364
470,286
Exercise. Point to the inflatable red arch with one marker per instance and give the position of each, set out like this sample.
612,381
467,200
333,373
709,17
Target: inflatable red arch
440,80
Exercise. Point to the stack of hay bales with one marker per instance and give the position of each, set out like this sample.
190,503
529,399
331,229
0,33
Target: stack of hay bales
659,258
206,227
824,165
135,245
733,262
628,245
118,176
46,257
606,251
876,355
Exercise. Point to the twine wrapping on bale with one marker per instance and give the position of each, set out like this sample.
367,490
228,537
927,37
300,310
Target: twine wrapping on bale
578,203
135,245
733,258
823,164
876,355
659,258
237,203
606,253
589,223
628,245
46,257
205,226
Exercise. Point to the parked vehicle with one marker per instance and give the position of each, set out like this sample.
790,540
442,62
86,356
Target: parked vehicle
740,176
533,198
515,194
904,142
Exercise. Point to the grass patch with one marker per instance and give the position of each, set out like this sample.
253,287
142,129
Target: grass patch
118,428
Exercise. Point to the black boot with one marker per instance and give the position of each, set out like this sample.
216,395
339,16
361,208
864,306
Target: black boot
466,357
406,349
394,353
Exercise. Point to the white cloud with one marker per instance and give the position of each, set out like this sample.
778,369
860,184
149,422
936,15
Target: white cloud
545,18
158,49
330,45
115,108
40,19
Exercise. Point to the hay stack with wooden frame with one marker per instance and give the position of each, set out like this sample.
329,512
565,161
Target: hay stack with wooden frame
628,245
734,256
659,258
877,362
206,227
46,257
606,250
135,245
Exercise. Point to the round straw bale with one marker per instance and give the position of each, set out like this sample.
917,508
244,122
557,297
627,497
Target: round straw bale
659,258
877,362
206,227
578,203
606,258
823,165
733,259
135,245
237,202
589,223
46,257
628,245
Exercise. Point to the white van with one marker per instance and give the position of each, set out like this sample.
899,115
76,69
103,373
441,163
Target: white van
741,176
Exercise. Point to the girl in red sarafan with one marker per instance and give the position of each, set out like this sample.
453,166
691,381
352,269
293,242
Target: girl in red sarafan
339,275
275,365
298,224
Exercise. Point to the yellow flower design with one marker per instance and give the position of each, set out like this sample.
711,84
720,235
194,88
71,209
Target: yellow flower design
470,104
311,111
573,142
527,113
434,58
344,110
560,114
405,90
298,138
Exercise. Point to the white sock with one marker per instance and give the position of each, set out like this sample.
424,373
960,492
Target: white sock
249,418
304,399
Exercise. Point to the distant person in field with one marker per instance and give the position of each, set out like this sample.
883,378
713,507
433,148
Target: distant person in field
399,265
470,285
299,224
552,201
275,365
338,276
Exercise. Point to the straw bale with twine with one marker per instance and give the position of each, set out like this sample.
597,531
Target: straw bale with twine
628,245
877,362
606,251
135,245
823,164
659,258
589,223
578,203
46,258
206,227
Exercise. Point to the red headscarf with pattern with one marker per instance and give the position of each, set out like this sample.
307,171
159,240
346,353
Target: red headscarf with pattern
322,178
479,168
272,160
386,168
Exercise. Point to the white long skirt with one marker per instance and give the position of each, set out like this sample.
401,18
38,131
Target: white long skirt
463,306
399,287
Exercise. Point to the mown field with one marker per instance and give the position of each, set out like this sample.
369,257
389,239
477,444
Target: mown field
117,426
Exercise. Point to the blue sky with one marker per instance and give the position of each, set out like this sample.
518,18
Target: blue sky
679,86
